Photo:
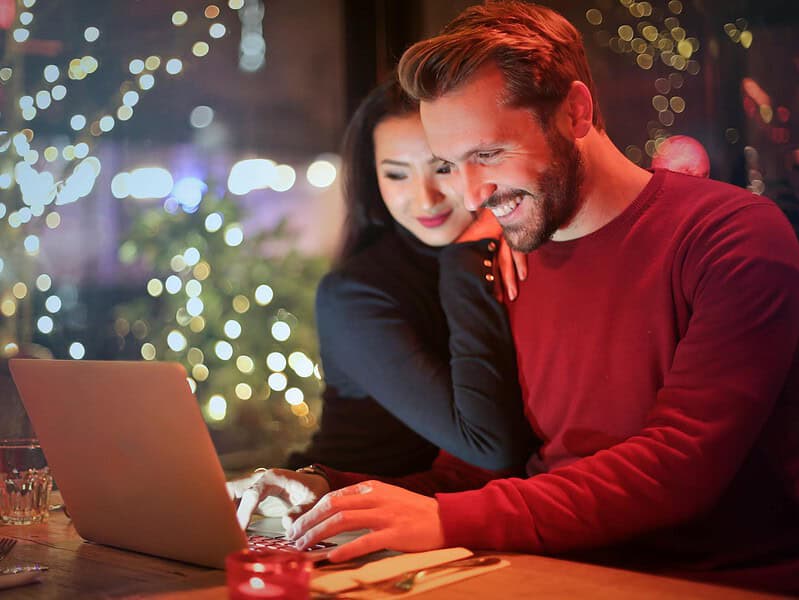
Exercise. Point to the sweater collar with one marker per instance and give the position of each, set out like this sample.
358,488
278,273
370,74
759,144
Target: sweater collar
415,243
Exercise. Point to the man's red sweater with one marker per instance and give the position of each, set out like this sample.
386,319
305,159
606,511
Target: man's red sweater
658,363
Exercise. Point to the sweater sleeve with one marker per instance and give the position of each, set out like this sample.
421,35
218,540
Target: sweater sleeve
469,407
741,278
447,474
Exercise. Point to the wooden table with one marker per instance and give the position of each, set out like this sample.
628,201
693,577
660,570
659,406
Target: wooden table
83,570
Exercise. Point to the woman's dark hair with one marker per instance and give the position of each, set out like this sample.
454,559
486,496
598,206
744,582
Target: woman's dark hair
366,213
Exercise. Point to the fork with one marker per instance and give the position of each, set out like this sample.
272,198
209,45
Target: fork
6,544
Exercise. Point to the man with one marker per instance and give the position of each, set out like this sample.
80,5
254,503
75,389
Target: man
656,332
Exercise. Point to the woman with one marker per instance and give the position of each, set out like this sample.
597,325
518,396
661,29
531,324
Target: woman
416,351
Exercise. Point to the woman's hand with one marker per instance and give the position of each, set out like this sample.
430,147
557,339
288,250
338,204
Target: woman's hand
299,491
510,266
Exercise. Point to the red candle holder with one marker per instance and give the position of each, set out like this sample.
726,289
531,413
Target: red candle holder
277,575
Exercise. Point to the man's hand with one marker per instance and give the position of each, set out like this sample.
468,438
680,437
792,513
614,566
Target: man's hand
398,519
299,491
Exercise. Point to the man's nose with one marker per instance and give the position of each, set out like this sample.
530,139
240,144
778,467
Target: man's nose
474,188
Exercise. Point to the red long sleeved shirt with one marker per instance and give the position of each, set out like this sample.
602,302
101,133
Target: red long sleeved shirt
658,362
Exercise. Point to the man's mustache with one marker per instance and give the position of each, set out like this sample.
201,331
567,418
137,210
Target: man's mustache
503,197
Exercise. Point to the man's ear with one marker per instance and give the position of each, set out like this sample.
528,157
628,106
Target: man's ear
578,107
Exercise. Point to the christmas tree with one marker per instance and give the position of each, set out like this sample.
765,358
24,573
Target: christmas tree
238,313
218,305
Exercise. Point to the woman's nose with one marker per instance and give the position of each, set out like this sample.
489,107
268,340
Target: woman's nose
430,196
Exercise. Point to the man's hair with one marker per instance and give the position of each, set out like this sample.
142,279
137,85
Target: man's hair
538,52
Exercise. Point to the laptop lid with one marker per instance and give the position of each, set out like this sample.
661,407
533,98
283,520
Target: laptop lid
132,456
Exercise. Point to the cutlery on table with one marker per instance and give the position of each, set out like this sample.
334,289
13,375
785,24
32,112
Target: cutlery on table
405,582
6,544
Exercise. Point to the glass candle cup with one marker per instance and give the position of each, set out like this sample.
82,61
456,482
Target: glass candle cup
273,574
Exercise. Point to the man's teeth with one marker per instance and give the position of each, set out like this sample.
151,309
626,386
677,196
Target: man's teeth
500,210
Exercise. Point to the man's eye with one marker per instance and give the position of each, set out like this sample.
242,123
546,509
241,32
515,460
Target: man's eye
488,155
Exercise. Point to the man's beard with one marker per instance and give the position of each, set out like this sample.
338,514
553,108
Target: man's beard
557,200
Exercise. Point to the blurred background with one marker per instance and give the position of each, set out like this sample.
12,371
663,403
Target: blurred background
169,172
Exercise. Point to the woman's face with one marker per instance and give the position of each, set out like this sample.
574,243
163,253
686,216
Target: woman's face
415,186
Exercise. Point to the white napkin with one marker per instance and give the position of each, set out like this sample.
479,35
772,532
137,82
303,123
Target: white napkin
22,578
385,568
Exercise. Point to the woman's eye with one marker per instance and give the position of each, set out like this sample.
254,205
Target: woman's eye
444,169
489,155
395,176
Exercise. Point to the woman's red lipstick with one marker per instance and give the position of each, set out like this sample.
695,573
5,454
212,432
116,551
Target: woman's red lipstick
436,221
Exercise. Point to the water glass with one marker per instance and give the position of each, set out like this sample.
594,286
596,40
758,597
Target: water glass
25,482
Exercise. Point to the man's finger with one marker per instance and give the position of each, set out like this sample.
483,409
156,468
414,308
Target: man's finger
340,522
370,542
343,499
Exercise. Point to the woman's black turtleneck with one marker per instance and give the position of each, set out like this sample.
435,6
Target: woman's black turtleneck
417,356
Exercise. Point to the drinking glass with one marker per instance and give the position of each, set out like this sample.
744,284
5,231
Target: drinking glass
25,482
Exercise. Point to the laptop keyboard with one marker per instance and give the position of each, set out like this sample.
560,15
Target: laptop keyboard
279,542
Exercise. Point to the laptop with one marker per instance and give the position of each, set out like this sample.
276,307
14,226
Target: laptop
131,454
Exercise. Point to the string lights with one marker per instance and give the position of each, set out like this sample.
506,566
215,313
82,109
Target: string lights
655,40
36,179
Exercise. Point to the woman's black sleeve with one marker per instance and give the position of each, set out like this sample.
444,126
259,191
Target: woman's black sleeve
470,407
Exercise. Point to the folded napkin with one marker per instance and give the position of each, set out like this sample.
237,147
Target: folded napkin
347,580
12,578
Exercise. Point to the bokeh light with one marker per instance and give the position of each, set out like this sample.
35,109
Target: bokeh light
232,329
223,350
53,304
217,407
245,364
277,382
276,361
281,331
264,294
77,350
294,396
91,34
45,324
321,173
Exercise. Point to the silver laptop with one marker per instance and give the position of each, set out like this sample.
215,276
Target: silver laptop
131,454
